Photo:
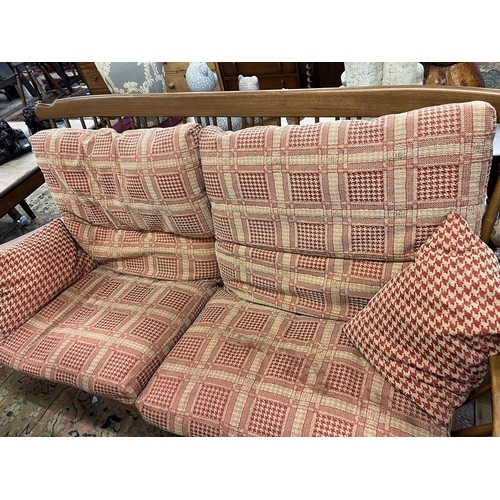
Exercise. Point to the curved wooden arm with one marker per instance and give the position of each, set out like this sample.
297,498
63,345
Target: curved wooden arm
492,388
491,213
495,393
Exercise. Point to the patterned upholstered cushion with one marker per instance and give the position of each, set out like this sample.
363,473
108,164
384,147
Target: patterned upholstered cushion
35,270
316,218
245,369
135,201
430,330
107,333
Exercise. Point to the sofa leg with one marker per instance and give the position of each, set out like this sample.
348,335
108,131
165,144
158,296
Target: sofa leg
125,405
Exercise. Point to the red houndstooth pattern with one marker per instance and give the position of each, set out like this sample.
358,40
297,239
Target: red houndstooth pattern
134,201
35,270
245,369
430,330
299,210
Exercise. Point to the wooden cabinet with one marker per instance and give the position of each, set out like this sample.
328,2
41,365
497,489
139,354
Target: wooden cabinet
175,75
325,74
271,75
92,78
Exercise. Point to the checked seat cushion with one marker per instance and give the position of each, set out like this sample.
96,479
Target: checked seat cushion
245,369
107,333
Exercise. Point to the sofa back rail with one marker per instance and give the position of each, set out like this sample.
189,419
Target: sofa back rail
336,102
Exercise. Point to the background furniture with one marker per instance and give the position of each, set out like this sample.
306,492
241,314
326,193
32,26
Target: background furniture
92,78
271,75
26,78
13,192
41,78
59,75
322,74
175,78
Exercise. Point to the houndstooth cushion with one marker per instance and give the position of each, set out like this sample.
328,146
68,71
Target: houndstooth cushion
430,330
134,201
35,270
314,219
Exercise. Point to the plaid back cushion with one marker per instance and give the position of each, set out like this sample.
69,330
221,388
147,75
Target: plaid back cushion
316,218
134,201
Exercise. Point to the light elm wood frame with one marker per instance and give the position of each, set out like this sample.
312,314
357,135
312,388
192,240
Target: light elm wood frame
105,110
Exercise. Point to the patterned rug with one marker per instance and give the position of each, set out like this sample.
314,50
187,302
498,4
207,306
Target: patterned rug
31,407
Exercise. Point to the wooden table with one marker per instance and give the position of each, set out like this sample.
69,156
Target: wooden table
15,188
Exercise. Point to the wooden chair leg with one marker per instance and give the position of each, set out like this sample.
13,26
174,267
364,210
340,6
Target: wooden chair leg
27,209
14,214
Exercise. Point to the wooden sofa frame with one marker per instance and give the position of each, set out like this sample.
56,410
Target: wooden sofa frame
271,107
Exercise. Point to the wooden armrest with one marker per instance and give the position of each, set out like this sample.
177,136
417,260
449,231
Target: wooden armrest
487,429
495,393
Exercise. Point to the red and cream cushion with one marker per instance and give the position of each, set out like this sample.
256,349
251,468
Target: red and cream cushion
314,219
430,330
35,270
107,333
135,201
245,369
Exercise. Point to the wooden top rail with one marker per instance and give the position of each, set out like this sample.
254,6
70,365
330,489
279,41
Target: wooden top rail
331,102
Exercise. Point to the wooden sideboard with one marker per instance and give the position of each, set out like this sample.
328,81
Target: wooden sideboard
271,75
175,77
325,74
93,78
